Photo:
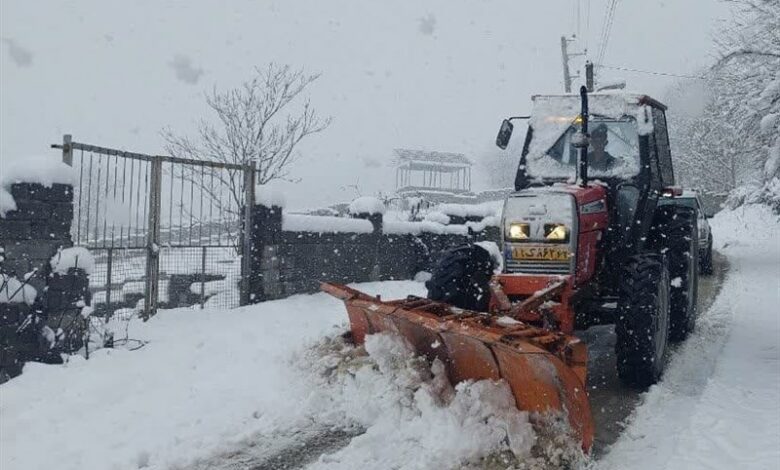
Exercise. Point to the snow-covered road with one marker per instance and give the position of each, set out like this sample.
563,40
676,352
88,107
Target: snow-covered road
718,405
272,385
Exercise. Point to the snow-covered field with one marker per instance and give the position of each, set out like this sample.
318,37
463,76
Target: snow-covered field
211,384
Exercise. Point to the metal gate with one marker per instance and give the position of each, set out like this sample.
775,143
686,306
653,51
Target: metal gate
164,231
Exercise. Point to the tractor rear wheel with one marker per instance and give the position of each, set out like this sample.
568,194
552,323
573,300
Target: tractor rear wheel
461,278
676,231
642,324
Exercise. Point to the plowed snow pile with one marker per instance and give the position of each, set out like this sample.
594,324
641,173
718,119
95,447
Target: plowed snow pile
412,416
718,405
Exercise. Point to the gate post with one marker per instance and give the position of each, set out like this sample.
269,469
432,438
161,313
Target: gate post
246,232
67,150
151,290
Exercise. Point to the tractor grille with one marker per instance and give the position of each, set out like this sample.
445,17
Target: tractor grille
533,267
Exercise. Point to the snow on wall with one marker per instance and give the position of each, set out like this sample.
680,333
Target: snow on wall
42,170
485,209
416,228
366,205
324,224
437,217
76,257
269,196
427,226
12,291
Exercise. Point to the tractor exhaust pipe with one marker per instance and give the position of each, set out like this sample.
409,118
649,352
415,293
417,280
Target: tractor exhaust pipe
582,175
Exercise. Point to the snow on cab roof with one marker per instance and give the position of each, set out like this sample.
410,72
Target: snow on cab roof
627,97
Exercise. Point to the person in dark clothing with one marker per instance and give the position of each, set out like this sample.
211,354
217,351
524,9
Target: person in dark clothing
598,157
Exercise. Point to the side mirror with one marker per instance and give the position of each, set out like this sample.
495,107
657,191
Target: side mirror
504,134
708,215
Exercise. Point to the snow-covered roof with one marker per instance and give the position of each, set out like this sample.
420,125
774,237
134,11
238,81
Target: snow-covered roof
430,157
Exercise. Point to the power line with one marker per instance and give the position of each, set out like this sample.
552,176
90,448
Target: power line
603,28
626,69
587,24
604,22
579,22
607,30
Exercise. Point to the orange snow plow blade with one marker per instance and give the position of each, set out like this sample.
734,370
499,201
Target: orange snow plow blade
544,369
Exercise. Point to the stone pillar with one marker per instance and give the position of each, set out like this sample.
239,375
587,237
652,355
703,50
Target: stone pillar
376,220
265,282
30,236
40,225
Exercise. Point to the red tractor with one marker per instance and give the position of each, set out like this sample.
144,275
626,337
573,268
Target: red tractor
584,242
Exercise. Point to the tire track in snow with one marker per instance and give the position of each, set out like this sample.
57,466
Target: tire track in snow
284,450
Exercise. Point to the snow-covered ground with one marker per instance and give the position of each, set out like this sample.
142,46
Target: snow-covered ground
718,405
212,385
208,380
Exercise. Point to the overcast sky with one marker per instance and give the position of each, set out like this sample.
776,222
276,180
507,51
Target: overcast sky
420,74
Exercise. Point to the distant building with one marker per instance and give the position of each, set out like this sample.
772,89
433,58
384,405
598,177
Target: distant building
436,176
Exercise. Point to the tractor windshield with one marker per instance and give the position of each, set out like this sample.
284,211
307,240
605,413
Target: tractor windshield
613,151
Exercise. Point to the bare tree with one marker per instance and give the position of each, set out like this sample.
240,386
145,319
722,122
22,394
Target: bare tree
733,143
259,123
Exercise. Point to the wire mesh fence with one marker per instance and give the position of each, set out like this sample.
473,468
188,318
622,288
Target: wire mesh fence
205,276
164,231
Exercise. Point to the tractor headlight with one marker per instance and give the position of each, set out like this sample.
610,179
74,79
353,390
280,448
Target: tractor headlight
518,231
556,232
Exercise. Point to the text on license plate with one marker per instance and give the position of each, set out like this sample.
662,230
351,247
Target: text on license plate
541,253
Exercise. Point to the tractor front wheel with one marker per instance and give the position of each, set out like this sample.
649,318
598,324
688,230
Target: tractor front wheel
461,278
642,324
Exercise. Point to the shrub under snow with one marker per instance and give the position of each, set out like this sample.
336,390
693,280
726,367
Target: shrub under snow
366,205
75,257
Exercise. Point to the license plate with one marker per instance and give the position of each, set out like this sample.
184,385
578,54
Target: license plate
540,253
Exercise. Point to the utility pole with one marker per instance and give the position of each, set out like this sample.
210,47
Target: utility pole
566,56
589,76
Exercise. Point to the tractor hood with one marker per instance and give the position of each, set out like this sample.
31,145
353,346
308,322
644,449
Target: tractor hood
553,229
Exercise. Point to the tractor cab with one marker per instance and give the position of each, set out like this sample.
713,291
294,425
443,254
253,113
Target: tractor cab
606,158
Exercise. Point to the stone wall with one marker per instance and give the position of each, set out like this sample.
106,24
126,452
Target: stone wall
29,237
40,225
294,262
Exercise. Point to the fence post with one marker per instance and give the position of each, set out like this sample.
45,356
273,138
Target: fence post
203,278
152,287
109,267
246,232
67,150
